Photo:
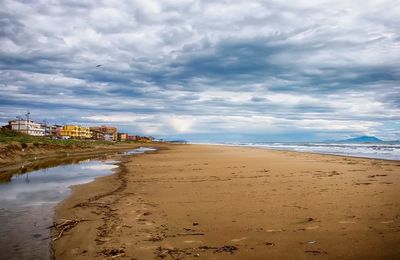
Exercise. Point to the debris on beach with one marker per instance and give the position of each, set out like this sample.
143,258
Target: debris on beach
155,238
65,225
377,175
190,234
316,252
229,249
333,173
189,229
113,253
176,253
363,183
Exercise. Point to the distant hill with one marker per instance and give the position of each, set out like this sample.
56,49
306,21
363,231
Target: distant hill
362,139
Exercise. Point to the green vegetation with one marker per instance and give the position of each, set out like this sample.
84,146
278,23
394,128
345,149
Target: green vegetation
8,136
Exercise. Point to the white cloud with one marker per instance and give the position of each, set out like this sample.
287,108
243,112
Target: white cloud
181,67
180,124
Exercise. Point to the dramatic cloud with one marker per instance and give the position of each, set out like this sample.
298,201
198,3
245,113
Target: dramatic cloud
205,70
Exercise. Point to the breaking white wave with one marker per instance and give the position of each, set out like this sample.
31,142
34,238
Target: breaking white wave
386,150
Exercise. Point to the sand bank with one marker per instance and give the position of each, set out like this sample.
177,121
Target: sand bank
216,202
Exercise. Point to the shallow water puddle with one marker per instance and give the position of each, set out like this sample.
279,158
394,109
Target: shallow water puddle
139,150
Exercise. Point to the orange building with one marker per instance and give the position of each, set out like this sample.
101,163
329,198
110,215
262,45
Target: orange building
107,131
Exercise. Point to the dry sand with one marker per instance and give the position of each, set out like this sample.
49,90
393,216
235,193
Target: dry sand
215,202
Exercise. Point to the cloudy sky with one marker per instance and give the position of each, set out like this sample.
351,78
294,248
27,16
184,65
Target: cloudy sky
205,70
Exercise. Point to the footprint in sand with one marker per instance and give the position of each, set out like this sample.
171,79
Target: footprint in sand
238,239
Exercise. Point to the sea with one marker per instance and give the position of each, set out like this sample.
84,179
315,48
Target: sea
381,150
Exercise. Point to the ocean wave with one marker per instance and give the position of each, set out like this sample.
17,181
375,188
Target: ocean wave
387,151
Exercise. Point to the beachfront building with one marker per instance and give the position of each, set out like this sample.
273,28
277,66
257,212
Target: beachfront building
108,137
75,132
55,130
27,127
122,136
143,139
96,133
107,130
46,129
132,137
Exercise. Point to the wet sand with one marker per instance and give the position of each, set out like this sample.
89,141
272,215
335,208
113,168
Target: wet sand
216,202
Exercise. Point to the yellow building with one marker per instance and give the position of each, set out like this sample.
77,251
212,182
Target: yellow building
122,136
77,132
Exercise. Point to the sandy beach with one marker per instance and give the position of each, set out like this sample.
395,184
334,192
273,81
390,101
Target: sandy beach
218,202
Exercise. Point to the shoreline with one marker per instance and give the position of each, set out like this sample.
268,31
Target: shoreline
133,211
288,150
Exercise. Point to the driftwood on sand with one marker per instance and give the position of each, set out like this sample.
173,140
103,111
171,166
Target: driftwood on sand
65,225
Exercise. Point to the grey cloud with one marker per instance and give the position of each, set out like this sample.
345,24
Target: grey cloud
194,59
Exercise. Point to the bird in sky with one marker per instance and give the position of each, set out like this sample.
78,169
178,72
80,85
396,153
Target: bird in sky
98,66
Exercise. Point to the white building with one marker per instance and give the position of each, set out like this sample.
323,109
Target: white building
108,137
27,127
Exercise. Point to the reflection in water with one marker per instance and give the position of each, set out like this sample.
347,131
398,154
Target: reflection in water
51,184
27,203
34,166
139,150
